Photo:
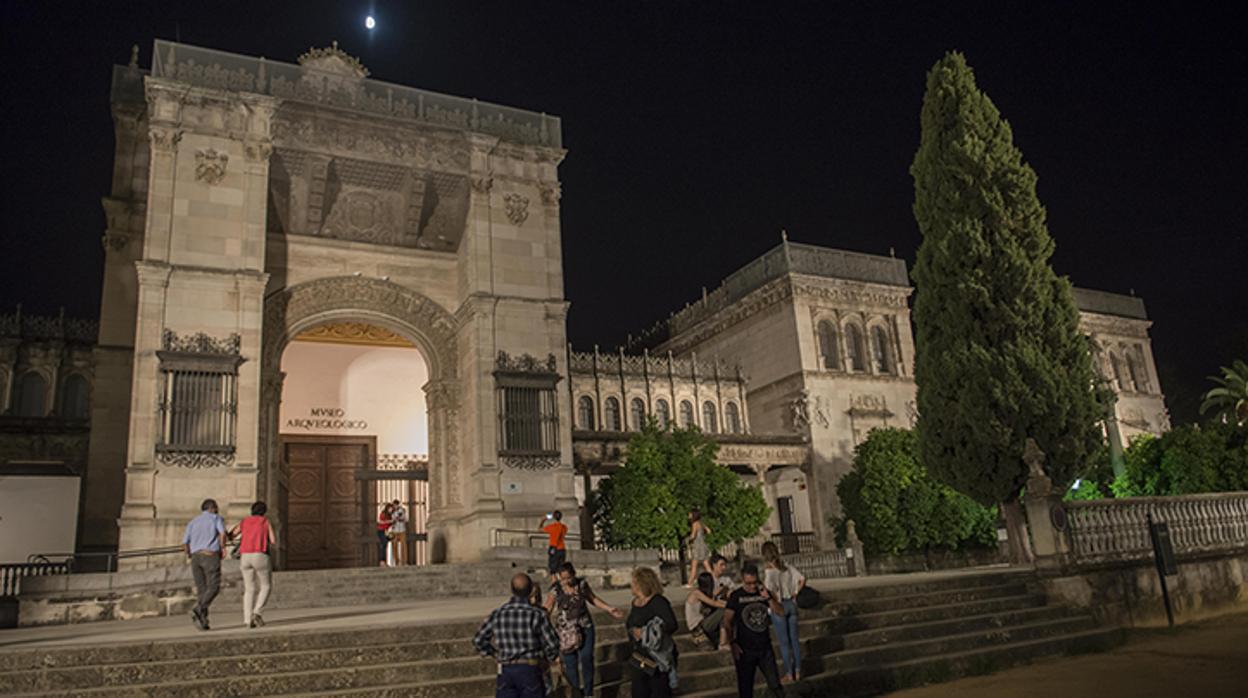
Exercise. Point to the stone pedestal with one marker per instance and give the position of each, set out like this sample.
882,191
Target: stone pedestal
1046,518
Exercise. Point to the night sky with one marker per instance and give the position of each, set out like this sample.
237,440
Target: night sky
696,131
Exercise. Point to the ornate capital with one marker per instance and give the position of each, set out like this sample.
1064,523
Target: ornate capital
164,139
517,208
483,184
114,241
551,194
210,165
258,152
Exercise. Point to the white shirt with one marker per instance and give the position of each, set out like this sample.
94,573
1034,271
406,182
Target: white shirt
784,584
400,520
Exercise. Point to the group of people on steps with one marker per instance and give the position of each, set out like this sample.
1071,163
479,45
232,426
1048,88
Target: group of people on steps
544,641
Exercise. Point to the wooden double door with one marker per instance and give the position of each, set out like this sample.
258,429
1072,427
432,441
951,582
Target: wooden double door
325,501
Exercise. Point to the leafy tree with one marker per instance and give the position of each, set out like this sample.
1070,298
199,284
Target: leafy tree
1189,459
999,355
666,474
897,507
1229,401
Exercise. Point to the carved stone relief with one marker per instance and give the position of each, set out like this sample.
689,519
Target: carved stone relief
210,165
517,208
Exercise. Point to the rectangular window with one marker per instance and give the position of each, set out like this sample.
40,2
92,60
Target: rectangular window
529,420
198,401
528,411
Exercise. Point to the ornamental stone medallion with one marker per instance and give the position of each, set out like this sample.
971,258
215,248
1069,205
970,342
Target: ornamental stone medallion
210,165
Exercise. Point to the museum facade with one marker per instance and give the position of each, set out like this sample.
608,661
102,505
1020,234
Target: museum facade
324,291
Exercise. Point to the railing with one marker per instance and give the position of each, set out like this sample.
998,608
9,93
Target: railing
788,543
101,562
25,325
518,537
227,71
11,574
825,564
1117,529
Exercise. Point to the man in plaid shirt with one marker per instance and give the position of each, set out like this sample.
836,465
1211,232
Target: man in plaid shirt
519,636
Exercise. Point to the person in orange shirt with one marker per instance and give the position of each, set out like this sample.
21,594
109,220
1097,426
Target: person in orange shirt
557,551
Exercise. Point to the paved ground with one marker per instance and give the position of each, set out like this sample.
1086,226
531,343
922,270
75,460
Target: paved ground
310,619
1201,660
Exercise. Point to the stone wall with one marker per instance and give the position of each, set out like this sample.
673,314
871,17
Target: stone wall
1129,593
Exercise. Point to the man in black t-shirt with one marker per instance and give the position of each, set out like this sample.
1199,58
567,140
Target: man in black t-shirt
747,625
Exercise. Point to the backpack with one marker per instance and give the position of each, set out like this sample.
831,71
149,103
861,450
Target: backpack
808,598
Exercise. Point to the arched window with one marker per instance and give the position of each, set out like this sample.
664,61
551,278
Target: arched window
1120,374
31,397
732,418
662,413
829,353
585,413
1135,366
611,415
637,413
686,414
74,397
879,344
854,349
708,417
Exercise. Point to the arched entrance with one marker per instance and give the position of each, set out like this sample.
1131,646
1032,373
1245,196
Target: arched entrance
398,311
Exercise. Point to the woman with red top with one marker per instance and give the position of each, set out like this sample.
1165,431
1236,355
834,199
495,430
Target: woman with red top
256,537
385,519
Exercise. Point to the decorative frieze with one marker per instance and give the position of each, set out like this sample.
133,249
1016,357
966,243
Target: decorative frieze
201,343
195,459
526,363
530,462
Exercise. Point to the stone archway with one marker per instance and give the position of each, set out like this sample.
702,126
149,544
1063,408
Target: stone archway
421,320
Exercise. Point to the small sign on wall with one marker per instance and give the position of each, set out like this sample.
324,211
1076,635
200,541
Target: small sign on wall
512,488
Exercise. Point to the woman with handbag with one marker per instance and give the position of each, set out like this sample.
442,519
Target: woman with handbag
784,582
256,536
651,624
385,519
569,604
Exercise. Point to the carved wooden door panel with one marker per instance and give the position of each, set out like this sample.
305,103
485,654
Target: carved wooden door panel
342,504
324,504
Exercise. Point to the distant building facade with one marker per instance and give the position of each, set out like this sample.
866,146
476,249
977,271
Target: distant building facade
825,338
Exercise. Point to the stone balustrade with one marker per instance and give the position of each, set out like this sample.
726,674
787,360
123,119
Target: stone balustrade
1112,530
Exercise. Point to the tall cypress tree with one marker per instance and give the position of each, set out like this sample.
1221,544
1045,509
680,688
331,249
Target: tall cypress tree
999,355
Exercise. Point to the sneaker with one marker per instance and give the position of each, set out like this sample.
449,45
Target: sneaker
257,621
200,620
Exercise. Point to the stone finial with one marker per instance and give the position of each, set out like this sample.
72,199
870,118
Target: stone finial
134,56
333,60
784,235
1034,458
851,533
1038,483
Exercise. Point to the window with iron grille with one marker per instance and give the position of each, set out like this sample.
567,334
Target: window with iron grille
198,400
528,411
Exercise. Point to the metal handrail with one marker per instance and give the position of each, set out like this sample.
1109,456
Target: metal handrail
530,536
112,559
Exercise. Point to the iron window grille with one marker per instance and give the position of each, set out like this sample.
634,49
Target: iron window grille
198,400
528,411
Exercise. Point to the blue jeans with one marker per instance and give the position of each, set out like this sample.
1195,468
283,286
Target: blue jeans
579,666
786,637
520,681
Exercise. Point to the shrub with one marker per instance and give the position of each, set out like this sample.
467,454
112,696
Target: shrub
897,507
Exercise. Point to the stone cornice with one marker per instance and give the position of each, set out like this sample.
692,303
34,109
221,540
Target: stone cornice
769,294
1097,324
849,294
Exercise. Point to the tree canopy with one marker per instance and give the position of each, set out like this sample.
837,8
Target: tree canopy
999,356
667,474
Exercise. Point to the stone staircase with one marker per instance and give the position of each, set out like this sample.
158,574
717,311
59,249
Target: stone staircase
868,640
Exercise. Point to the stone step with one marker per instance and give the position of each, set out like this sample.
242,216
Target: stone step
848,660
927,598
842,623
951,626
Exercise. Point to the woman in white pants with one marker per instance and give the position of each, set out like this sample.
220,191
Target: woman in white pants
256,539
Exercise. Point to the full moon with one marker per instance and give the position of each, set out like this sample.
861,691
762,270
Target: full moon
369,22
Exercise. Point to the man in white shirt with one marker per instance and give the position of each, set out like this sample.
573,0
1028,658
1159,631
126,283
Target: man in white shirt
724,583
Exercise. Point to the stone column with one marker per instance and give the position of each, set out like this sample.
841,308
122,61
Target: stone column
854,551
1046,517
